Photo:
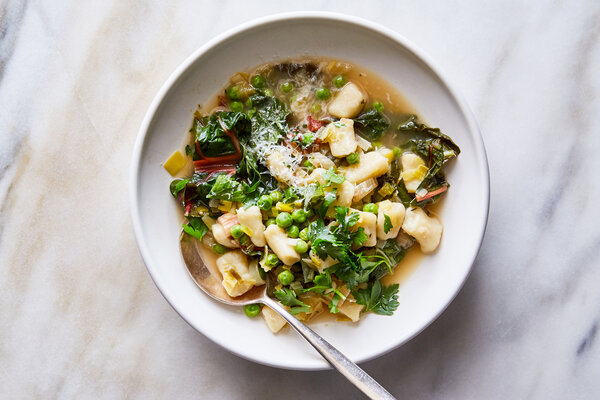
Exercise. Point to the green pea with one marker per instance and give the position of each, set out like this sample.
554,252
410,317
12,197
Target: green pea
284,220
352,158
272,260
371,207
270,221
219,249
308,165
285,277
258,81
265,202
252,310
378,106
236,106
293,231
236,231
276,196
268,92
303,234
339,81
323,93
299,216
233,92
397,151
287,87
301,246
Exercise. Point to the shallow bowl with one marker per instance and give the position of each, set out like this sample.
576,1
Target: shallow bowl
423,295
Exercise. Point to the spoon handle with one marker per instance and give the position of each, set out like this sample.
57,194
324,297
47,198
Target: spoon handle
343,364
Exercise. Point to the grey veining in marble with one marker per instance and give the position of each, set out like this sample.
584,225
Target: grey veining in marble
81,318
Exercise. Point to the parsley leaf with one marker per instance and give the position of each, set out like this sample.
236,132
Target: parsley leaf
337,243
380,299
323,283
335,300
195,227
387,225
332,178
324,286
323,242
346,221
287,297
327,201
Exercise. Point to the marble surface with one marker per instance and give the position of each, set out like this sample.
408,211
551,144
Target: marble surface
79,314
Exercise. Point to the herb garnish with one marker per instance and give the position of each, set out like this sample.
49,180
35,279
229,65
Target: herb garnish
377,298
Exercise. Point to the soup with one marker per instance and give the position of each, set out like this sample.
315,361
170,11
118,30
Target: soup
318,176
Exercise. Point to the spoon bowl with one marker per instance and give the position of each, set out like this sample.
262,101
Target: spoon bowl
208,279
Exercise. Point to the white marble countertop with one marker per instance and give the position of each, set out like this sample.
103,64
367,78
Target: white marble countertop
80,316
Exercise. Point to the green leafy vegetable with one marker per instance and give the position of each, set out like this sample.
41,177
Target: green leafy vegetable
414,126
380,299
389,256
195,227
177,186
327,201
332,178
287,297
209,132
226,188
344,231
371,124
323,285
335,300
403,194
387,224
267,126
337,243
436,149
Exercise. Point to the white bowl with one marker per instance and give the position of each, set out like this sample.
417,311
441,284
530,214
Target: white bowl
156,216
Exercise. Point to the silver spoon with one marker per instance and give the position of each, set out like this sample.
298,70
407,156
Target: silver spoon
207,281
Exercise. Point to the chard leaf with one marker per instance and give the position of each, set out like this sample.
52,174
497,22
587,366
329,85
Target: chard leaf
389,256
212,138
372,124
226,188
436,149
414,126
403,194
177,186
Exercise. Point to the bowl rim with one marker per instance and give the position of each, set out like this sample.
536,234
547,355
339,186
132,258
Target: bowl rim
135,167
